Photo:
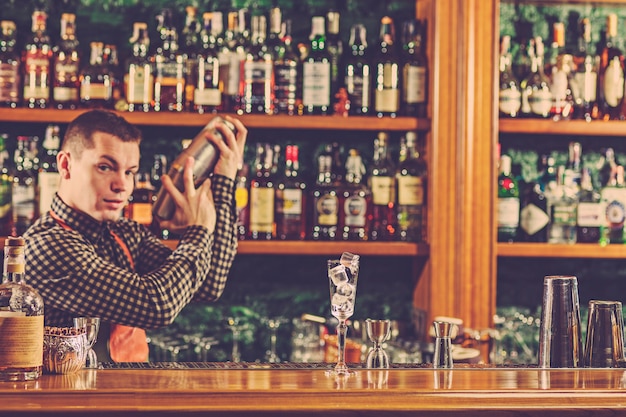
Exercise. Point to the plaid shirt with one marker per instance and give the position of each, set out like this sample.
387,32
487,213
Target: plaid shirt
83,271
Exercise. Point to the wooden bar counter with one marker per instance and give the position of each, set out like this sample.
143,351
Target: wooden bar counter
309,392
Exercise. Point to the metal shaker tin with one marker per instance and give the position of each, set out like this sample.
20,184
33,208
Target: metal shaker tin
205,155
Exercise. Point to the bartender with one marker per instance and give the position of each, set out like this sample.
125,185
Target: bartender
86,260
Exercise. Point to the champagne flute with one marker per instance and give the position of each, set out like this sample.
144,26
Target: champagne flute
342,276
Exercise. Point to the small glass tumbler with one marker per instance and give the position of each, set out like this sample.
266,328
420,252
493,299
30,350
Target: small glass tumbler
604,345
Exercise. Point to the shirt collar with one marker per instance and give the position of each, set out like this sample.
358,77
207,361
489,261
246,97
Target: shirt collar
81,222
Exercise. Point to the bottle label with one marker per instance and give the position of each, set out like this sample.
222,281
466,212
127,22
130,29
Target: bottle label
358,88
316,84
327,210
387,100
355,211
9,82
262,209
139,83
231,72
289,201
591,214
241,197
509,101
48,183
508,212
585,86
207,92
207,97
95,91
36,81
21,344
533,219
64,94
24,201
564,214
540,102
559,87
614,83
615,212
382,190
414,90
285,83
410,191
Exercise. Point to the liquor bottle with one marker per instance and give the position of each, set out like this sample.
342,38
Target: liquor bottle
608,168
23,190
48,177
411,179
536,94
157,170
556,48
256,81
36,59
611,74
534,218
6,183
287,73
274,39
66,64
382,182
207,95
10,77
139,207
357,75
262,225
169,66
242,201
547,172
334,46
190,46
508,202
230,56
291,199
316,72
585,76
590,215
414,70
574,167
22,310
387,72
138,77
562,204
355,200
522,61
111,61
96,82
325,200
510,96
614,196
561,87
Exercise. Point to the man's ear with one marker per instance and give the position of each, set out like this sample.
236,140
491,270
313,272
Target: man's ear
64,164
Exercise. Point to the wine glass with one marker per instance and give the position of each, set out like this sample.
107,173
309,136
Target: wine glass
273,324
378,331
342,276
236,327
91,326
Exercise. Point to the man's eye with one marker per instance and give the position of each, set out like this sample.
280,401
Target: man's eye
104,167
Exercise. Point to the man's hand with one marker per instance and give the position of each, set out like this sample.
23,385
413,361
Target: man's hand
193,206
230,148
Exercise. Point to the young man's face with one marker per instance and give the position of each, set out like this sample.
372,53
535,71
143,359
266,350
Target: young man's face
102,179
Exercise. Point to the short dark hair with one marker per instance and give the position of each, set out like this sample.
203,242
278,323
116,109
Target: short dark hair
79,134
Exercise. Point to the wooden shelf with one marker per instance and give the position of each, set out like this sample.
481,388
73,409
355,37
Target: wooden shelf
283,247
250,120
547,250
565,127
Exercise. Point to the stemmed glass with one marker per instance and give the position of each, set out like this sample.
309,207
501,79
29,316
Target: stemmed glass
342,276
91,326
273,324
235,327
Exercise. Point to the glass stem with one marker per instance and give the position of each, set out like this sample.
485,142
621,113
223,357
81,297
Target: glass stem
235,352
341,345
273,342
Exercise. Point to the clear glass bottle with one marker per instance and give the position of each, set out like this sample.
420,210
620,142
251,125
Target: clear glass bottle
387,72
66,65
36,68
585,76
536,94
138,76
509,96
508,202
382,182
414,70
24,187
169,68
357,76
355,200
611,73
10,77
48,177
562,88
96,81
6,182
563,204
22,312
291,191
262,186
316,71
412,180
207,95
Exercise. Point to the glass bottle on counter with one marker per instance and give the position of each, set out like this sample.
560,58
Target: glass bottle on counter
6,183
66,65
414,70
291,199
169,67
611,73
48,177
22,312
411,180
207,94
510,96
590,215
536,94
382,182
387,72
325,200
563,205
316,71
10,77
262,224
24,187
138,77
585,76
36,69
355,201
508,202
357,77
96,81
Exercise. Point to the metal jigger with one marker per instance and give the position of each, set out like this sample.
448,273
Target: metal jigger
443,345
378,331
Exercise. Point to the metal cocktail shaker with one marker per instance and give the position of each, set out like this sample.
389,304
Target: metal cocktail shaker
205,155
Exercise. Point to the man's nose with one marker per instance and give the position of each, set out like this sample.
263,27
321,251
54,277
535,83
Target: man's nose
121,182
